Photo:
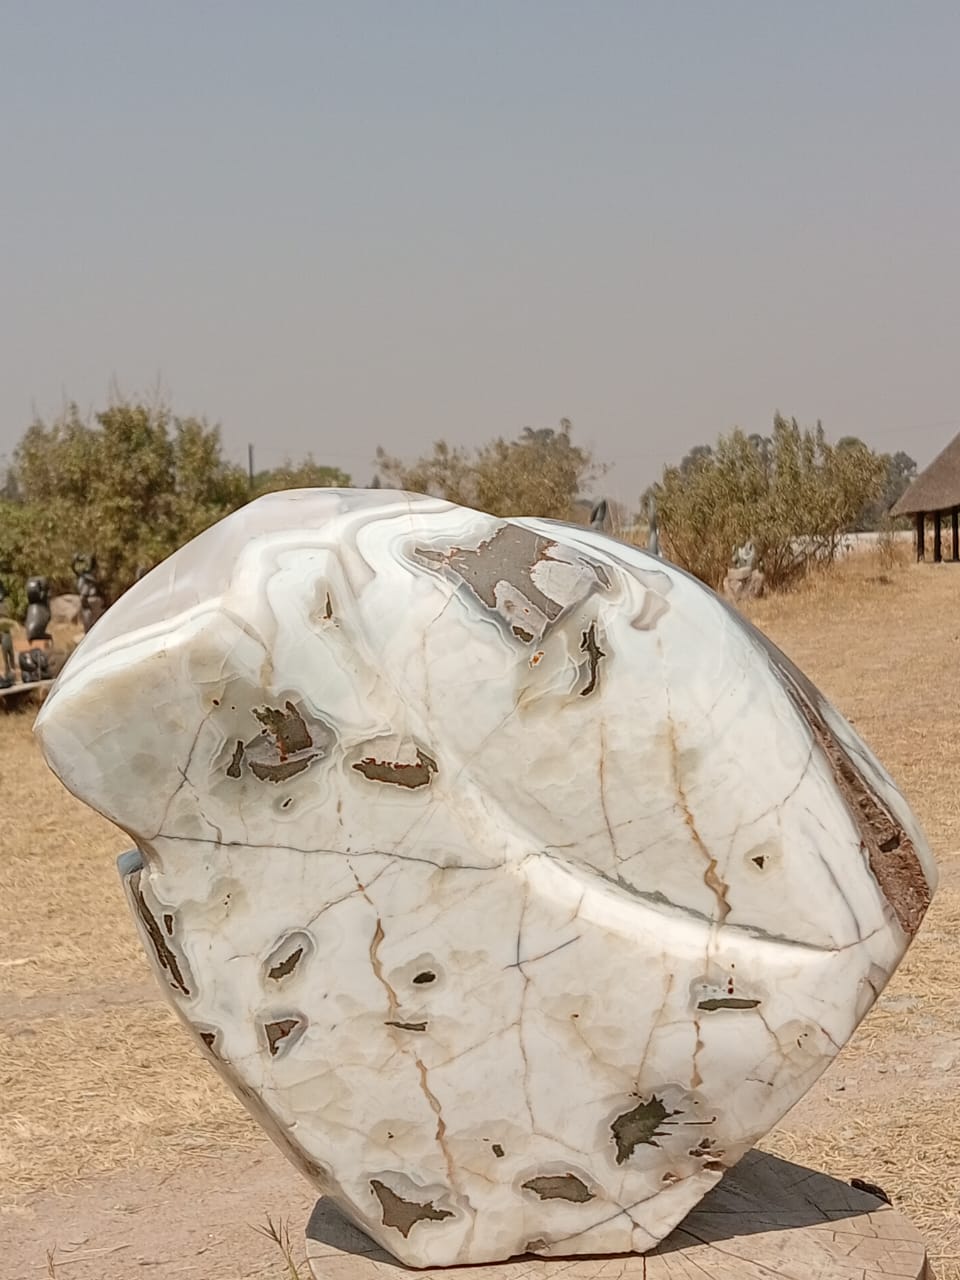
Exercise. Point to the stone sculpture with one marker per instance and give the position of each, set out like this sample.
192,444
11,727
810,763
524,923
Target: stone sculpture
510,879
598,516
34,666
745,557
6,640
653,528
92,601
38,609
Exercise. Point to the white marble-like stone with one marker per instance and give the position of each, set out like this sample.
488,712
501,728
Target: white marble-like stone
511,880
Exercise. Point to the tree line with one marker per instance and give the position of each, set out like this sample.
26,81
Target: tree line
135,481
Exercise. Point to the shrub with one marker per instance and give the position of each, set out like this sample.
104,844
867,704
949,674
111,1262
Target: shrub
793,496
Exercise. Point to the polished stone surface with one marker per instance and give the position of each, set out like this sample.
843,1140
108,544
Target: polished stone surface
515,884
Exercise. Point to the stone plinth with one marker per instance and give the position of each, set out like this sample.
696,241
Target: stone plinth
767,1218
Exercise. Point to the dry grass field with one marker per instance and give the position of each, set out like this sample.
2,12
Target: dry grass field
121,1154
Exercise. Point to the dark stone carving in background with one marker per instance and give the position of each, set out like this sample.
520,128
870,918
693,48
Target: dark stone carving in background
653,534
34,666
6,640
92,600
38,609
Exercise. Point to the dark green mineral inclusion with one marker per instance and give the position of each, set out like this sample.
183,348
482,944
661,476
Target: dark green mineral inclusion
561,1186
726,1002
639,1126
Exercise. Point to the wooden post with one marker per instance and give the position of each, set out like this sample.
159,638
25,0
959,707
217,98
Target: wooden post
921,536
937,542
955,522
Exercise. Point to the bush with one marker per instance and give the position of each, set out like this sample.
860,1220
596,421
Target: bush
792,495
541,473
131,487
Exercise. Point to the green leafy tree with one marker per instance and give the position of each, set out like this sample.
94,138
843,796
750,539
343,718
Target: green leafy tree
900,472
699,454
131,486
541,473
794,497
303,475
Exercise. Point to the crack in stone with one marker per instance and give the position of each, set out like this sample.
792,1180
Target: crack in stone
397,1022
518,964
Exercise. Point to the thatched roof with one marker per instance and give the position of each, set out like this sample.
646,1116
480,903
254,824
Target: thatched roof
937,488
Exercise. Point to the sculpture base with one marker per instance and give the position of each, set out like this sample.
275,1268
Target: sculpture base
13,695
767,1218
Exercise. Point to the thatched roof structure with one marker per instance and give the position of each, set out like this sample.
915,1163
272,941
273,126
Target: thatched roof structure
937,488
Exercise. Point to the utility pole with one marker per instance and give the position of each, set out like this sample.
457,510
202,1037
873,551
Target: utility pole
250,464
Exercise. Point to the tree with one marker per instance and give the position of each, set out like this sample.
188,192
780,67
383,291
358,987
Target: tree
131,486
541,473
700,453
793,497
303,475
901,471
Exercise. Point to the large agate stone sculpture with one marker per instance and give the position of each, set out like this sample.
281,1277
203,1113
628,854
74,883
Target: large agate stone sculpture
513,882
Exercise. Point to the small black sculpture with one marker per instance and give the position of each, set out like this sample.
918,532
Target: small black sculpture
598,515
38,609
34,666
6,641
92,600
653,533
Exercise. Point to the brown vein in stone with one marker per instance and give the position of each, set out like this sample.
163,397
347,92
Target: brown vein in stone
441,1132
711,877
696,1079
396,1023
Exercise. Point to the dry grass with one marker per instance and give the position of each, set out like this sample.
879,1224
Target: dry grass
97,1075
882,641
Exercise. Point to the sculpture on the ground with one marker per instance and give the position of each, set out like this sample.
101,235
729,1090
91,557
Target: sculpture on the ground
38,609
6,640
508,876
34,666
745,557
744,580
653,526
92,600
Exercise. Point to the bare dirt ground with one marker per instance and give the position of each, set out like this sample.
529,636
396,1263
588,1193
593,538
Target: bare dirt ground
121,1154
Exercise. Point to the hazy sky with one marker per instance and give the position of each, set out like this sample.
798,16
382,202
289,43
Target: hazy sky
329,226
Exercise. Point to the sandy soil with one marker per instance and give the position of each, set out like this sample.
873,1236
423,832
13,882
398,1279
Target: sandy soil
120,1152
